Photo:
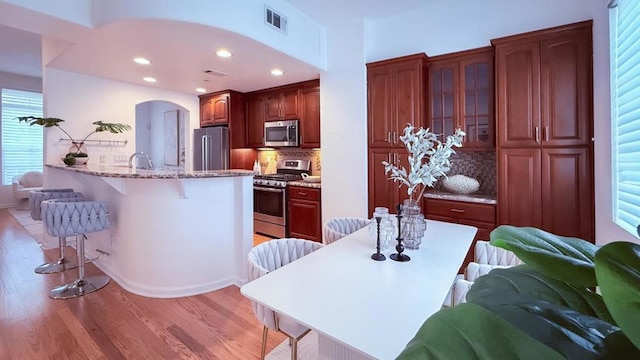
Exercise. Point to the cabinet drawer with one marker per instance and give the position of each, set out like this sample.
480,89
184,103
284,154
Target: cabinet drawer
461,210
304,193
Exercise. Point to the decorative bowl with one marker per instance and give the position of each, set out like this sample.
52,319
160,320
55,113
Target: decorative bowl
81,160
460,184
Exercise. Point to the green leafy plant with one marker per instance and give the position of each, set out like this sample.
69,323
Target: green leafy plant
114,128
546,308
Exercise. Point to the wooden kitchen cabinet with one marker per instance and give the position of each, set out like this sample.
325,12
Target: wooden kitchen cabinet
305,213
482,216
225,108
545,87
545,126
382,191
395,98
283,104
395,91
255,120
460,95
549,188
310,117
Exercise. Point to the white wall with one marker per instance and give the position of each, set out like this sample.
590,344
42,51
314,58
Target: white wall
81,99
438,29
150,131
17,82
343,105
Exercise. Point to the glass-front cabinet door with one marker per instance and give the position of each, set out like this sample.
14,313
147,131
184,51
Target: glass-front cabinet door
442,100
461,95
477,101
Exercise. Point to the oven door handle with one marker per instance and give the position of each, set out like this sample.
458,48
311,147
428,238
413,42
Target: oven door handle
259,188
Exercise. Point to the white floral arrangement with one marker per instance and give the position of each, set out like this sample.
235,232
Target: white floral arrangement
428,159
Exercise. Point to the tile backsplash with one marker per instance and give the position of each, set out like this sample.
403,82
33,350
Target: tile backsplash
264,156
480,165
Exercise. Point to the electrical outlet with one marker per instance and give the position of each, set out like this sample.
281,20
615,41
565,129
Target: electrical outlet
103,159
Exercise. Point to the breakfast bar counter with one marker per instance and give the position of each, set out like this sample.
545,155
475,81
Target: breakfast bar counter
174,233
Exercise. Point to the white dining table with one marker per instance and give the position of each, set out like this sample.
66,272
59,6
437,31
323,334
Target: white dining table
361,308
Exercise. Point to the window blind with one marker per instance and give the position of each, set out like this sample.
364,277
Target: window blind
625,107
21,143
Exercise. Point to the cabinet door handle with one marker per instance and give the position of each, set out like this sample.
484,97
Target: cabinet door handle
389,158
395,137
546,133
537,134
389,136
302,193
457,211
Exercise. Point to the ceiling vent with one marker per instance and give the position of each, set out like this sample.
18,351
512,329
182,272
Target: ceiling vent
275,20
214,73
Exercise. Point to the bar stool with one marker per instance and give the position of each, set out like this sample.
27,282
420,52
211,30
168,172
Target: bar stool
35,199
63,217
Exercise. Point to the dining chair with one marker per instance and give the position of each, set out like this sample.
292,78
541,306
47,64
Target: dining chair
338,228
269,256
485,253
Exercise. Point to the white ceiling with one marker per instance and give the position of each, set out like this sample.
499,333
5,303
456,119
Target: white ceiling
181,52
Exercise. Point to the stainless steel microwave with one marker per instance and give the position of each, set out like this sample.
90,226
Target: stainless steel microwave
282,133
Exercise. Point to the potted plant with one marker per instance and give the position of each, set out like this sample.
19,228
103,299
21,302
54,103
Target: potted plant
545,309
428,159
77,153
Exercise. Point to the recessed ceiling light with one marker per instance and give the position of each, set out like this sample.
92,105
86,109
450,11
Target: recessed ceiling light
201,90
223,53
149,79
141,61
276,72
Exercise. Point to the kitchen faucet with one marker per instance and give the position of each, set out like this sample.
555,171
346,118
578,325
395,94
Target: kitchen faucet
142,154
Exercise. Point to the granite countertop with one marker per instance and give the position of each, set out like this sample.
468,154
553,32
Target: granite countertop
475,198
305,184
125,172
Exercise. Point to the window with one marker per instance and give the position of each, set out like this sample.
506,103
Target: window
21,143
625,112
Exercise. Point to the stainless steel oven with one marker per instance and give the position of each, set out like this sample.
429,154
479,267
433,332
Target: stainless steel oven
270,197
270,210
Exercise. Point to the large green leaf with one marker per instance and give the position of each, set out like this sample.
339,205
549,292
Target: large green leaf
564,258
568,332
468,331
524,280
46,122
618,273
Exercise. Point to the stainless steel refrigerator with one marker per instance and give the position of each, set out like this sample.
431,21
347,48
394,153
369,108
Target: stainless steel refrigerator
211,148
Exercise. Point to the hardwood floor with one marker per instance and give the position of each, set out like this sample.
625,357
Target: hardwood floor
113,323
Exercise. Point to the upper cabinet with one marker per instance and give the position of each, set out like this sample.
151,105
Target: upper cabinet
283,104
395,98
310,117
460,95
225,108
256,107
544,87
299,101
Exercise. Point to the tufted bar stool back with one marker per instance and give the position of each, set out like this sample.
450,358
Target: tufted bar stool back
36,197
267,257
67,217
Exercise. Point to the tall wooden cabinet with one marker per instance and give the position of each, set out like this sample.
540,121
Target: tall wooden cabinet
460,95
396,97
545,127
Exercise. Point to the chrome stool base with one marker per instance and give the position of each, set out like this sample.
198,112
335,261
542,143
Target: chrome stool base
79,287
58,266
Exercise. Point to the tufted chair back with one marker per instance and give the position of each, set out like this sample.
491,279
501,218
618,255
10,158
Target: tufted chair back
267,257
486,253
38,196
338,228
65,217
